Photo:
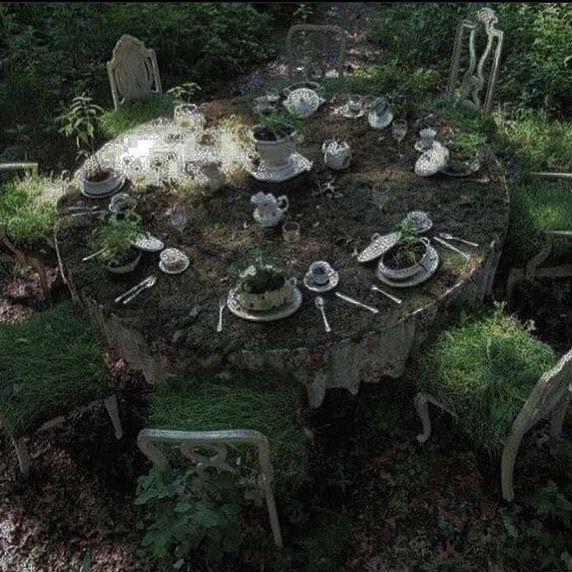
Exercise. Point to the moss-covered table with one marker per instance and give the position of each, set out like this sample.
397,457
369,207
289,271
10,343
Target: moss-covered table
221,237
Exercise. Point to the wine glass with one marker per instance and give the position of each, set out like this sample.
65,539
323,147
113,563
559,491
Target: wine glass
380,196
398,131
178,217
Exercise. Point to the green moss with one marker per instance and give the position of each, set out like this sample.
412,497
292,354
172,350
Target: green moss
127,116
49,364
483,369
28,210
537,206
225,401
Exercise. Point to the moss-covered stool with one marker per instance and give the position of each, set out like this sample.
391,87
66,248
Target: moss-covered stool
50,364
251,416
487,372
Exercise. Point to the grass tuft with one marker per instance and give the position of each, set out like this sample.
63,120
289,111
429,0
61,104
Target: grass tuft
483,369
49,364
128,116
225,401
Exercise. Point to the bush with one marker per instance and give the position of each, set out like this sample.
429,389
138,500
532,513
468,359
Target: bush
483,369
536,65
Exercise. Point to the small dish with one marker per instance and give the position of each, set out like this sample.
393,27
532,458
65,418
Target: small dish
333,281
173,261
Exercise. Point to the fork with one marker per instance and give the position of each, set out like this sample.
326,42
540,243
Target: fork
221,307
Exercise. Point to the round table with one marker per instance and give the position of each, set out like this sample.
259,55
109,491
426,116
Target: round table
174,323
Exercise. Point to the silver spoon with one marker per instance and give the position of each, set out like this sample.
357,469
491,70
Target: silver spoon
320,304
387,294
448,236
221,307
150,283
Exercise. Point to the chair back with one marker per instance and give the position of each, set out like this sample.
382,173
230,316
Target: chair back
133,71
316,51
467,80
546,395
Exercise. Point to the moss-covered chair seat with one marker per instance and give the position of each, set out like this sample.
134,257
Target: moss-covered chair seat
497,381
50,364
214,418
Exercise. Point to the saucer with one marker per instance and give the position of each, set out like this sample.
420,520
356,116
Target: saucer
296,165
418,278
346,112
268,316
334,280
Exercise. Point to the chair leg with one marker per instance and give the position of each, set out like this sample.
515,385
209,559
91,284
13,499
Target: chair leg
23,456
273,515
113,410
509,453
557,417
422,407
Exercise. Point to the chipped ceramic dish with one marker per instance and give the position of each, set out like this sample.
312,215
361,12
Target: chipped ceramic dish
432,161
379,245
148,243
173,261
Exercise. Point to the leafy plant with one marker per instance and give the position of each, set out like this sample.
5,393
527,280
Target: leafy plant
183,93
80,122
275,125
190,513
115,239
260,278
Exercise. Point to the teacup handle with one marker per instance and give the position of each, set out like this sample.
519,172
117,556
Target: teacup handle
292,282
284,200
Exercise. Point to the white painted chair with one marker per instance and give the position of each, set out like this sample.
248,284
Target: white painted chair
316,51
192,444
133,71
549,399
466,85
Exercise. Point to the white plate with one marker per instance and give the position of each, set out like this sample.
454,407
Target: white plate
419,278
296,165
348,114
432,161
275,314
333,281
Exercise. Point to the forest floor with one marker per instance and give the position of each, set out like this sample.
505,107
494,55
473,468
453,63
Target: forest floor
378,501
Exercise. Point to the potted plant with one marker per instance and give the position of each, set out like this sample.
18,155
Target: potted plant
186,114
407,257
262,287
114,242
81,122
275,137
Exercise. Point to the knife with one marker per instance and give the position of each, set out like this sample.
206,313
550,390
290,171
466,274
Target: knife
357,303
134,289
451,247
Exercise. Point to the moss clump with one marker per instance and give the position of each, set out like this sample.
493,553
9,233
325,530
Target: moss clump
128,116
225,401
28,210
535,207
49,364
483,369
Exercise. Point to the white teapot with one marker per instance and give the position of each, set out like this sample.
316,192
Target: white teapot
337,155
269,209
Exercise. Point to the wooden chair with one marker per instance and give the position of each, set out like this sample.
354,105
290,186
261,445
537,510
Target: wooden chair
133,71
466,85
50,365
316,51
534,269
549,398
192,445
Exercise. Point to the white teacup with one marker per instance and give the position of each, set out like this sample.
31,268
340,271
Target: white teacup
320,272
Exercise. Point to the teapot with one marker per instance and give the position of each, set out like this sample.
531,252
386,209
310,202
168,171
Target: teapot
269,209
337,155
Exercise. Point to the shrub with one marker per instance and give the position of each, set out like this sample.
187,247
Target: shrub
483,369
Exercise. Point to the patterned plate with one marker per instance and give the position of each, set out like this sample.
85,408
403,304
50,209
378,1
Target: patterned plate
275,314
296,165
416,279
303,102
378,246
432,161
148,243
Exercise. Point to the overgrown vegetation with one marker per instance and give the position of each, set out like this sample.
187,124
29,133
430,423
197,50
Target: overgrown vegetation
483,369
49,364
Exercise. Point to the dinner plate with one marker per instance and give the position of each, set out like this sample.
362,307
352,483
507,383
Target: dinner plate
421,276
267,316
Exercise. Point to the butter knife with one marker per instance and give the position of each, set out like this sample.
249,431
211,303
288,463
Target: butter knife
357,303
451,247
141,284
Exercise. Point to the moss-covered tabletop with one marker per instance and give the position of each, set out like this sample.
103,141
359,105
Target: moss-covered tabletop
174,323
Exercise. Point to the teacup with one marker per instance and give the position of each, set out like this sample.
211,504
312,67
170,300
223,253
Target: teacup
172,259
355,103
419,220
320,272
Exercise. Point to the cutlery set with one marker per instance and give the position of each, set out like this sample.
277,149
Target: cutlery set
132,293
